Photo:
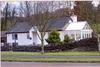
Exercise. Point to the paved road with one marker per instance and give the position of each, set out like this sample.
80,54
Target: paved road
52,56
46,64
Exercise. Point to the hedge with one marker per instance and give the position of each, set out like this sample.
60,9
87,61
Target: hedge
90,44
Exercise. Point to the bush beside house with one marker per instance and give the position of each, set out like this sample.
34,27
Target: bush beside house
5,47
67,39
54,38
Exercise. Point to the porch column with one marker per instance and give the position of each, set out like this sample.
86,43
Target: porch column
90,35
81,35
75,36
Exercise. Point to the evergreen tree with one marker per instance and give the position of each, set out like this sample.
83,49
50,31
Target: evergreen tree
54,38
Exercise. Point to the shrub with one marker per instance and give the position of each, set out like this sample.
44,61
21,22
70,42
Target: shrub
54,38
67,39
6,47
89,44
29,48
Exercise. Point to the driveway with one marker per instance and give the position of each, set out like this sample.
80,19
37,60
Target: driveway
46,64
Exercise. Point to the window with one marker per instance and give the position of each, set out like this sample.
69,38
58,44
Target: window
87,35
14,36
72,36
83,36
28,36
69,4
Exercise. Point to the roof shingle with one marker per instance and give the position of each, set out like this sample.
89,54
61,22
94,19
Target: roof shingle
20,27
59,23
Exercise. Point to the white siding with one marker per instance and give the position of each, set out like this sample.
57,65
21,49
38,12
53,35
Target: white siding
36,39
9,38
84,32
61,35
23,40
36,36
45,37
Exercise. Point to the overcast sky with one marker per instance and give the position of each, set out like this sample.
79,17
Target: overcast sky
16,3
96,2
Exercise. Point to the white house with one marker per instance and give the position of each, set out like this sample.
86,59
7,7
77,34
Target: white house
24,34
70,26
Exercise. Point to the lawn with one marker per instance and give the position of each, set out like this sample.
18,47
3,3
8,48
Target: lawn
20,56
52,53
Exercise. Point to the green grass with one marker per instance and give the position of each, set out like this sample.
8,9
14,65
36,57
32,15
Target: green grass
74,54
18,56
51,53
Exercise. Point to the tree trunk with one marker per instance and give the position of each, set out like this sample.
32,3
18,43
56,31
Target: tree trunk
5,24
42,46
42,51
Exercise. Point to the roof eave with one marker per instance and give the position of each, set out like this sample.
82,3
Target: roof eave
17,32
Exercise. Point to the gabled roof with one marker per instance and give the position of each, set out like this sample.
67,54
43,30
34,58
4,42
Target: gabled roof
76,26
59,23
20,27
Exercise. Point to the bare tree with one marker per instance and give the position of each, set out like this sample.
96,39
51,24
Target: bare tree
42,17
26,9
43,13
9,13
40,13
6,13
13,15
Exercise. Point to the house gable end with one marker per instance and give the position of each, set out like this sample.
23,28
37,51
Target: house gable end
86,27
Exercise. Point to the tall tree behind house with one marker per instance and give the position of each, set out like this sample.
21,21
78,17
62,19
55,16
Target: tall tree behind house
8,19
84,10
